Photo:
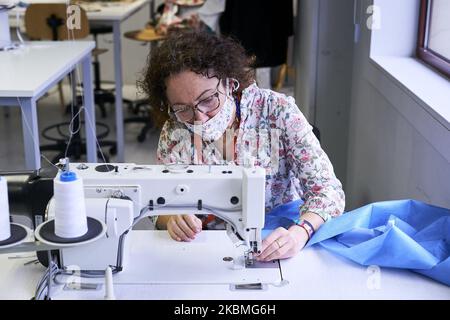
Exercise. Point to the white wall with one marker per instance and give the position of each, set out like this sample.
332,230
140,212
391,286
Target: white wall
305,59
324,36
389,158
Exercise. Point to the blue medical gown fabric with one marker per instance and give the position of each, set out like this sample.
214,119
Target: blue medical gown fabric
281,216
404,234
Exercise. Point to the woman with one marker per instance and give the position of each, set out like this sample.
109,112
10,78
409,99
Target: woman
217,115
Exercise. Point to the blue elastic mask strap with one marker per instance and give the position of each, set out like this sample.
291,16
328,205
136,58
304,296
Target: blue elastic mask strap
238,107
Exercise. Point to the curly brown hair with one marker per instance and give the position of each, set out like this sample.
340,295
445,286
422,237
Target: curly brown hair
202,52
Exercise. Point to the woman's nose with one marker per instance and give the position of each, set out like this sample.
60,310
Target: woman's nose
200,117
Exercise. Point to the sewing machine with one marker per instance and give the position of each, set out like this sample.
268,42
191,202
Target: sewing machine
122,194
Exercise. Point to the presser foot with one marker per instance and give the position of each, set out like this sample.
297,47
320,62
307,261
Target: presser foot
250,260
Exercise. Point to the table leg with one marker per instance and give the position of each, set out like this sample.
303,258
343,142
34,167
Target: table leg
30,133
73,87
118,78
91,148
152,9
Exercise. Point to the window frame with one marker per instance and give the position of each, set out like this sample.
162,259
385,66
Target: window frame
424,53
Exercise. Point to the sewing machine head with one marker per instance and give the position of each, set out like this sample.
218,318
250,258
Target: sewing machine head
122,194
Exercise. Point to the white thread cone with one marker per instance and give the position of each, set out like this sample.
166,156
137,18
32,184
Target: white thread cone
70,206
5,227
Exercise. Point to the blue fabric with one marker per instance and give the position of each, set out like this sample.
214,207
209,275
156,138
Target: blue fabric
398,234
282,216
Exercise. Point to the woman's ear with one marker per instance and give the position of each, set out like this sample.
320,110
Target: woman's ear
235,85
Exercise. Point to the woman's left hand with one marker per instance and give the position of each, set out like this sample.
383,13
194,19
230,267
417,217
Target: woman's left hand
282,243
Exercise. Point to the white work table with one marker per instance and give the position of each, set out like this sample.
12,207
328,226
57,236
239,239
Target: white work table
160,268
108,14
96,11
30,71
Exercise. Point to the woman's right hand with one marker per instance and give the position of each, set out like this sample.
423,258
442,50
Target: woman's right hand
184,227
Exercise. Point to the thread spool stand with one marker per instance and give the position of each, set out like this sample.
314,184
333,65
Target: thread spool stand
18,235
45,233
11,234
47,240
69,193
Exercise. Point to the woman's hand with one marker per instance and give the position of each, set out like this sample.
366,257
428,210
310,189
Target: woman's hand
282,243
184,227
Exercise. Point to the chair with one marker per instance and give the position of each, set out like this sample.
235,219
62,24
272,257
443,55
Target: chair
48,22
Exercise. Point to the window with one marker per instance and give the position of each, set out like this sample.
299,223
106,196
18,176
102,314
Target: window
434,34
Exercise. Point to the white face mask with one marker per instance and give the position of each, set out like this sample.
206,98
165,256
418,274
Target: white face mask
215,127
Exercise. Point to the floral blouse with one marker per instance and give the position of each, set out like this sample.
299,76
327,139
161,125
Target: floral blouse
280,139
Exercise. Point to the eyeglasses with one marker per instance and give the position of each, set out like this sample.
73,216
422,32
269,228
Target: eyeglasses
186,113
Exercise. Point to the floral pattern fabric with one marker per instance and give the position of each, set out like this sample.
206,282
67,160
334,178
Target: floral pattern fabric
276,134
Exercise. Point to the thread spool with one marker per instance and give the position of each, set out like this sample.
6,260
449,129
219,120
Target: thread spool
5,226
70,206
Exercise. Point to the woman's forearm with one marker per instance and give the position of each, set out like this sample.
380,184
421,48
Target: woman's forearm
314,219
